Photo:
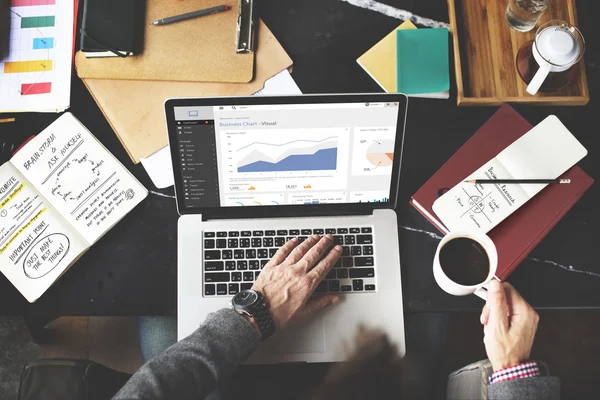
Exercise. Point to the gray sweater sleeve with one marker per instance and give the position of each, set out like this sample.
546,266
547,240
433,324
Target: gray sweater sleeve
191,368
537,388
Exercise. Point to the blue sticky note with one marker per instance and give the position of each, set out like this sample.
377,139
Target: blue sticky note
43,43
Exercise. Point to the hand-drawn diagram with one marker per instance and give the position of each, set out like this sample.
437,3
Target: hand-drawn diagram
45,255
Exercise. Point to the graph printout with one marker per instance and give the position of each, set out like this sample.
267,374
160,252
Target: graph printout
36,62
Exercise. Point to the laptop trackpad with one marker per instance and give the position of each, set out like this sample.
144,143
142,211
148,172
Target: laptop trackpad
308,338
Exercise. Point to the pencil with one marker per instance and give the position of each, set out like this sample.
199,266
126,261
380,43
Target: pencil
190,15
520,181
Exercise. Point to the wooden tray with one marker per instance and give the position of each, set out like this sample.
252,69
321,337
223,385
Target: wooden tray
485,50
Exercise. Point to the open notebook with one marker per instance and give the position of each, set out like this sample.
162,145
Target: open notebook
545,152
59,194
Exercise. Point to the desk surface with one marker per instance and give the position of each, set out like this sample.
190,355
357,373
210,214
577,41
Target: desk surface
132,270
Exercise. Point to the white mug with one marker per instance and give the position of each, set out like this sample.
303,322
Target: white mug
456,289
558,46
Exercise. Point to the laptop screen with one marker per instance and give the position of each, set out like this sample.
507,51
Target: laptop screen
240,155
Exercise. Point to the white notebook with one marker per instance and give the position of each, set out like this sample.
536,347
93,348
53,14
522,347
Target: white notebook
545,152
59,194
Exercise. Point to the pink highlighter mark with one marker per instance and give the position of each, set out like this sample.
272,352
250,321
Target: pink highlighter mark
27,3
36,88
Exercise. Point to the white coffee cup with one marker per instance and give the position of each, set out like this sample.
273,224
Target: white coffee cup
456,289
558,46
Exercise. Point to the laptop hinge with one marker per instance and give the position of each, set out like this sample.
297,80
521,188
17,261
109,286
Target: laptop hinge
270,212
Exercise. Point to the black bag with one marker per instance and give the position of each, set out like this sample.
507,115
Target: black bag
65,379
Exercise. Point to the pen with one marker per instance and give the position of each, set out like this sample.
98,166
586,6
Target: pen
190,15
520,181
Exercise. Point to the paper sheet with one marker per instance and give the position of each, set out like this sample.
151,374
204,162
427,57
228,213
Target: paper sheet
159,166
35,70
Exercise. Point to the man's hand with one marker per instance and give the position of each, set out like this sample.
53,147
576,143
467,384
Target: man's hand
293,274
509,326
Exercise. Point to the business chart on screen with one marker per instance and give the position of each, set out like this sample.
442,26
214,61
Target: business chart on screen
35,67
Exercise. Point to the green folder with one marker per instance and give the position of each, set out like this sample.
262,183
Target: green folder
422,61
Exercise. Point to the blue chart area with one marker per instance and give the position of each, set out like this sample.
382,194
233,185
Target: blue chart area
270,157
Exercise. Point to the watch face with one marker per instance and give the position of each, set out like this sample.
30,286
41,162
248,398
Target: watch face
245,298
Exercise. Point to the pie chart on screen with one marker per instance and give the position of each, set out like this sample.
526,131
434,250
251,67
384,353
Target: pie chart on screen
381,153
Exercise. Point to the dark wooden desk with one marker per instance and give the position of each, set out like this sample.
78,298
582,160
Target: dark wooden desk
132,270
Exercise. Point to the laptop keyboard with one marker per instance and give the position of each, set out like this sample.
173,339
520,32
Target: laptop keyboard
233,259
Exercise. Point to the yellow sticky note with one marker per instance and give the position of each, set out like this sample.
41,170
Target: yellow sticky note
380,60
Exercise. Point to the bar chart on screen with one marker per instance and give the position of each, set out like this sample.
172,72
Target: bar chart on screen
35,67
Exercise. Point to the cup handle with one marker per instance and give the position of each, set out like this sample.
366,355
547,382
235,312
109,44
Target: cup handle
538,79
482,293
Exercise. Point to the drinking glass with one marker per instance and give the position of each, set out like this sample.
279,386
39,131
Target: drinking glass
522,15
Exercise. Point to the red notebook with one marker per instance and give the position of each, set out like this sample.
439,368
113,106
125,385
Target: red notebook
525,228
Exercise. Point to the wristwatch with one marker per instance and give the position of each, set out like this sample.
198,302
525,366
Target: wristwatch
253,304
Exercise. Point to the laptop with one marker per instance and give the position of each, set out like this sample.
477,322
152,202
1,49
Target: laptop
253,172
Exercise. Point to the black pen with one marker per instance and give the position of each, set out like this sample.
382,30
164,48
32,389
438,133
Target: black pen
190,15
521,181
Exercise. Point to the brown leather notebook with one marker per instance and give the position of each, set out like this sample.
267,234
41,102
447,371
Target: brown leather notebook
135,108
197,50
518,235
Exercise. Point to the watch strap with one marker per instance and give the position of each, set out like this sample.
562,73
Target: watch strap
263,318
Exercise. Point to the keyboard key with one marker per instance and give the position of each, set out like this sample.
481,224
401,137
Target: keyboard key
369,287
212,254
209,243
221,234
256,274
345,251
246,233
331,274
302,238
242,265
248,276
367,250
342,273
330,230
209,234
334,286
338,239
338,263
287,239
269,233
234,234
366,230
342,230
362,273
232,243
214,265
263,263
322,288
364,261
246,286
282,232
355,251
263,253
354,230
346,288
272,252
250,253
222,289
227,254
216,277
257,233
279,241
347,262
253,264
364,239
236,276
357,285
234,288
268,242
319,231
349,239
256,242
305,232
238,254
221,243
209,290
230,265
244,243
294,232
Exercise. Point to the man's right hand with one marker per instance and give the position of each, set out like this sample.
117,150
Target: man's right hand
509,326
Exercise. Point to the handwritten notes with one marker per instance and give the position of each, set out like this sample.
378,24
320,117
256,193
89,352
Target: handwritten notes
58,195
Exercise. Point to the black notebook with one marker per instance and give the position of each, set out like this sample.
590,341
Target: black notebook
111,28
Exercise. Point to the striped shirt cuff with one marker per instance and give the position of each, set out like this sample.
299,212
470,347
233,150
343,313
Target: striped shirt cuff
525,370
